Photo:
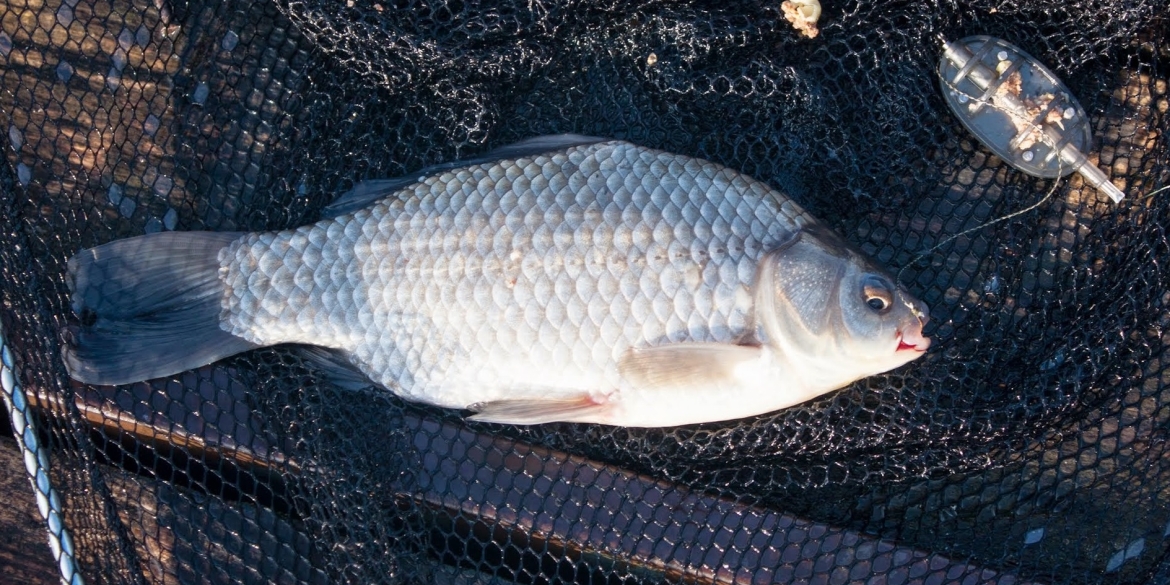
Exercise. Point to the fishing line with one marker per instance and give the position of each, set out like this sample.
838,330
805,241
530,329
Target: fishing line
1047,196
1025,126
949,239
987,102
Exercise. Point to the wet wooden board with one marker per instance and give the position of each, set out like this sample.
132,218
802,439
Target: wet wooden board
494,492
24,542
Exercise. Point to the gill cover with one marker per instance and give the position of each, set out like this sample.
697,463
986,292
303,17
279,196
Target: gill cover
818,298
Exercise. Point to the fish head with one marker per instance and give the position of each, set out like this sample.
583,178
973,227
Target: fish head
820,301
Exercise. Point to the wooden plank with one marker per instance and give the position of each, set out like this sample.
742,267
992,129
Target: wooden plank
489,491
24,542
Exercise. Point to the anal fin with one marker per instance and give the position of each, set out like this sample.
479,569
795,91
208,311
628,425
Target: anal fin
581,408
336,367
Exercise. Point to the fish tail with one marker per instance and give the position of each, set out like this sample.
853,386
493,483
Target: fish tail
150,307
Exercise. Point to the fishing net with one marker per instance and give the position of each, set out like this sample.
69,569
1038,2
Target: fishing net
1028,445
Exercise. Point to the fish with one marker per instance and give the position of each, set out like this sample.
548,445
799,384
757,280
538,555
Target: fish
564,278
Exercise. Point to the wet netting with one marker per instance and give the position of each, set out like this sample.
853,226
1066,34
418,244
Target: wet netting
1028,445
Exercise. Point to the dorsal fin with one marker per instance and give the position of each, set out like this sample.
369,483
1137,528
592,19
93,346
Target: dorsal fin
534,146
367,192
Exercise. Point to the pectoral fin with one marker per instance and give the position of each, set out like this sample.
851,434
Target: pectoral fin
686,365
536,411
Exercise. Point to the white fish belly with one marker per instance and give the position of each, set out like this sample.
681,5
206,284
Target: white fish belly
515,279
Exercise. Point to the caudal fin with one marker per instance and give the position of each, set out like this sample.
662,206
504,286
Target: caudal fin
149,307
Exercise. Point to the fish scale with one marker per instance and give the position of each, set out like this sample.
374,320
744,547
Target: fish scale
468,289
591,281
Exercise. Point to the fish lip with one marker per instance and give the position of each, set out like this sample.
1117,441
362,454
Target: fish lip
903,346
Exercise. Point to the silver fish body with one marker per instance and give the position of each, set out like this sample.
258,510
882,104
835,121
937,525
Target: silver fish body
596,282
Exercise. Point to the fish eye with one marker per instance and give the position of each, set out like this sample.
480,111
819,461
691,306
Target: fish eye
878,294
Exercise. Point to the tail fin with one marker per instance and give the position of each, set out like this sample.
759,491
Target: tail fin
154,302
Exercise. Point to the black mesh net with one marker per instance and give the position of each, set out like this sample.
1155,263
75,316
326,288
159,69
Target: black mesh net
1028,445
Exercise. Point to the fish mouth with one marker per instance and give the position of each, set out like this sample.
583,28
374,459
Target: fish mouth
915,341
921,344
